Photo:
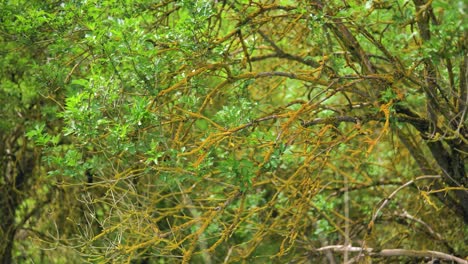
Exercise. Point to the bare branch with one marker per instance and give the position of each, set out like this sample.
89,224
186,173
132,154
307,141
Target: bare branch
393,252
384,203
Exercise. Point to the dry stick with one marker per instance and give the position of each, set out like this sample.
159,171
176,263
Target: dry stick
385,202
429,229
346,212
393,252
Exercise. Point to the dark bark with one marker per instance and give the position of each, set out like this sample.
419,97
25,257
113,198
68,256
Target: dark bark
8,205
448,156
448,152
9,201
13,182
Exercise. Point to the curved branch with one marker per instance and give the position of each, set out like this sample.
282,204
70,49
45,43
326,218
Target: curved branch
384,203
425,227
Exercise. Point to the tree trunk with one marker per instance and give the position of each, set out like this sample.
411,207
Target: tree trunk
8,205
14,173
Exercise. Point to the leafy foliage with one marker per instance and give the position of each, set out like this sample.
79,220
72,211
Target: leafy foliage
235,131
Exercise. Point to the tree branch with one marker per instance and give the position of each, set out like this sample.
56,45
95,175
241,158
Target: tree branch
393,252
375,215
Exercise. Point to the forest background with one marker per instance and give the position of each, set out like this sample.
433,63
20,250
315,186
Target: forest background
233,131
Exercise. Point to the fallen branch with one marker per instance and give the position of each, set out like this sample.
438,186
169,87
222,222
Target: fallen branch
393,252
